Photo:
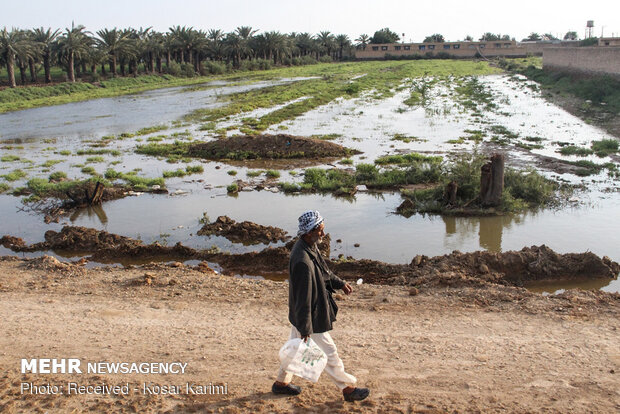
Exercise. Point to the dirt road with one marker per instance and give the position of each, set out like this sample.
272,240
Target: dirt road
451,349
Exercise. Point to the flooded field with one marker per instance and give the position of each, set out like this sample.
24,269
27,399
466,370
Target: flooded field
424,114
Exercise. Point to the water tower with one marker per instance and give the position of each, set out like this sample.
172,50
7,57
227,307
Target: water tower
589,27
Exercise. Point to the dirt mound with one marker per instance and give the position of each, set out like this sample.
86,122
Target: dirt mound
477,269
87,239
268,146
245,232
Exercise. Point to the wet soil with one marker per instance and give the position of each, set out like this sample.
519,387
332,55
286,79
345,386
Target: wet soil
245,232
269,147
477,269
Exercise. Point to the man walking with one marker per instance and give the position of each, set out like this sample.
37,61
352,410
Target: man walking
312,310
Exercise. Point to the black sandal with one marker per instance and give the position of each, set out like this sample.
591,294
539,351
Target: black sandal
288,389
358,394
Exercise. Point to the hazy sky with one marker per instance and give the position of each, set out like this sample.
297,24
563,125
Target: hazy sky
416,19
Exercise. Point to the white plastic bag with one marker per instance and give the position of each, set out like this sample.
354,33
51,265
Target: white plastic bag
304,359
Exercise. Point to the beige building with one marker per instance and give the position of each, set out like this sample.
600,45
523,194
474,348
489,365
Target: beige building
449,49
609,41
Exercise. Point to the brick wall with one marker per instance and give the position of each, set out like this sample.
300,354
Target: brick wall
587,60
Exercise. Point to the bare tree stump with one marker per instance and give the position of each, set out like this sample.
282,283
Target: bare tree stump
492,181
451,190
97,194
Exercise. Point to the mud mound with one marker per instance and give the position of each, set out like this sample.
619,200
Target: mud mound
86,239
245,232
477,269
268,146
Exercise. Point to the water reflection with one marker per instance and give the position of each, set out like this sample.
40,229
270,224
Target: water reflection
89,212
489,229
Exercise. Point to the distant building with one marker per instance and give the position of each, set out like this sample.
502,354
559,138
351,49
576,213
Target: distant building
609,41
449,49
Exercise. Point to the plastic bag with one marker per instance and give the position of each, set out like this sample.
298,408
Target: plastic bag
304,359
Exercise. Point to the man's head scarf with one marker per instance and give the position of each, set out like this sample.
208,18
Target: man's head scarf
308,221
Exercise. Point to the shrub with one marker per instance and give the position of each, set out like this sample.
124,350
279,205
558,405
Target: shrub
326,59
232,188
14,175
57,176
605,147
272,173
215,68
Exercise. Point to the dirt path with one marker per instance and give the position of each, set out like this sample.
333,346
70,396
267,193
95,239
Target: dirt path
441,350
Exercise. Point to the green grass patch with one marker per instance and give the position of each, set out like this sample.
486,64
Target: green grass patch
95,159
64,152
327,137
92,151
574,150
152,129
9,158
88,170
346,161
407,159
4,187
605,147
57,176
272,174
253,173
232,188
231,172
405,138
14,175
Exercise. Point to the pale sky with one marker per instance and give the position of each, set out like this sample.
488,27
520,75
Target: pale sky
453,19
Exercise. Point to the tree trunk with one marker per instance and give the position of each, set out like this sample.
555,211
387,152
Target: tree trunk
70,68
46,66
492,181
122,68
113,65
33,71
152,62
451,190
22,71
93,69
168,58
158,63
10,68
103,68
83,67
97,194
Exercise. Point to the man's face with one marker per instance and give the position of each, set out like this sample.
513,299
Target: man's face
317,234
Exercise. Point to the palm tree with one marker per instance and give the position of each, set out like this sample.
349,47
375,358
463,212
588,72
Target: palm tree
46,39
362,41
215,38
12,43
74,43
113,42
342,40
326,41
245,33
305,43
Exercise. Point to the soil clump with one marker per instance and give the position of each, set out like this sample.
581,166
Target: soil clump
476,269
244,232
268,146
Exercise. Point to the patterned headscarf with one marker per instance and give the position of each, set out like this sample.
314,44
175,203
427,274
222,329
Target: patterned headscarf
308,221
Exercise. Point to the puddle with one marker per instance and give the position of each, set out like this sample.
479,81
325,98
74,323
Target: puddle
40,135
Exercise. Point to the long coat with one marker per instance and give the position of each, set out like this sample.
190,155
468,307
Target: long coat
311,306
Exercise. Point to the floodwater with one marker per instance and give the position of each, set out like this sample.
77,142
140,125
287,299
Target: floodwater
585,224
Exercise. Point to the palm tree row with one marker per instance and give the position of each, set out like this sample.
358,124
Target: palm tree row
124,51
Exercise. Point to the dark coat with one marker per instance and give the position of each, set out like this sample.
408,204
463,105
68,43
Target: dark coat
311,306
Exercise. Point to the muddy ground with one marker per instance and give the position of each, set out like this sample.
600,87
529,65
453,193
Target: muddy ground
244,232
268,146
482,268
442,349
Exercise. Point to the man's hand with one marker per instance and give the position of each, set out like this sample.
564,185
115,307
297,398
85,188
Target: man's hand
347,289
305,338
